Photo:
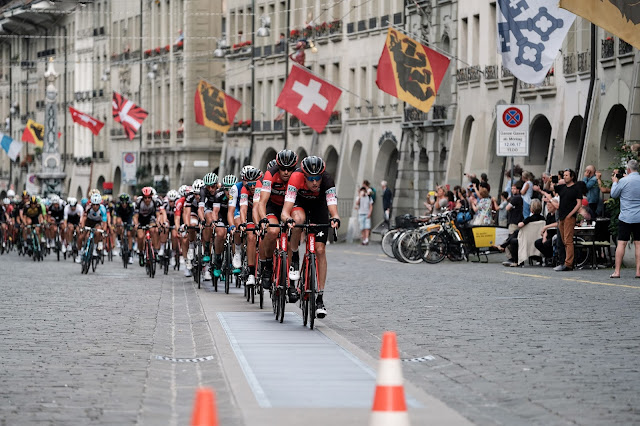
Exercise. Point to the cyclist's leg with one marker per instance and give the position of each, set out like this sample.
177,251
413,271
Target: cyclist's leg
298,214
155,234
219,239
207,233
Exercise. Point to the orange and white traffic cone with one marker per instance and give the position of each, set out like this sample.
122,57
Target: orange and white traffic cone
205,412
389,405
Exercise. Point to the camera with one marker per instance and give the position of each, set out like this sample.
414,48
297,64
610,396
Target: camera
554,179
619,175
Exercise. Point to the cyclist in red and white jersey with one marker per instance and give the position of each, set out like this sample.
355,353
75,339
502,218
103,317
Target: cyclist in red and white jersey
272,192
311,193
249,199
190,218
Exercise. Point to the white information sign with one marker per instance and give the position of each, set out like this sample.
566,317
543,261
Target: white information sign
512,131
129,167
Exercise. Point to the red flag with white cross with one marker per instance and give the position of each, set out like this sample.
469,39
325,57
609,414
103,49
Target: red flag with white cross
86,120
308,97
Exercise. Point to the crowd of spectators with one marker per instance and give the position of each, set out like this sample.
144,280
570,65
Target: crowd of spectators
553,204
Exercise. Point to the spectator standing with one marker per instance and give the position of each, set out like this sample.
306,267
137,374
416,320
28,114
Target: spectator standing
526,192
484,182
593,190
570,203
364,205
371,192
482,208
387,201
502,209
514,208
628,190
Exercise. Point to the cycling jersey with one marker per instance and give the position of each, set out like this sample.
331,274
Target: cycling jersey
234,195
192,200
179,206
32,211
99,215
171,211
73,214
3,214
147,209
124,210
56,212
298,193
273,184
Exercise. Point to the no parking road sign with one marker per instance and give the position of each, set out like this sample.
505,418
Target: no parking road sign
512,131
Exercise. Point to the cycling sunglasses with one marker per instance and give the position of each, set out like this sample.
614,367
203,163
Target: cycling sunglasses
287,169
313,178
250,184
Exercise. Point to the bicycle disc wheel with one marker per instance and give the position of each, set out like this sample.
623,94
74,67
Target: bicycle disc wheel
387,242
409,247
434,246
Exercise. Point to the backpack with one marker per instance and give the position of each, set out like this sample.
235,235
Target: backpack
373,194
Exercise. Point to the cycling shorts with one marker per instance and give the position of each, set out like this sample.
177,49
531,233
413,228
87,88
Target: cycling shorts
274,210
73,219
316,212
146,220
91,223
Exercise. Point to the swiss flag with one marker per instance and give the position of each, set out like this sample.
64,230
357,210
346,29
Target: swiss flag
309,98
128,114
86,120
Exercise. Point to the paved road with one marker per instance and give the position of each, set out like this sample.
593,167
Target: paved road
498,345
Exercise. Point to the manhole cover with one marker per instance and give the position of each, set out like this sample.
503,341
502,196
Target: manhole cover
421,359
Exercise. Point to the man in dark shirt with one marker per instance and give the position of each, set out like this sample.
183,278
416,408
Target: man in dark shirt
514,208
387,200
570,202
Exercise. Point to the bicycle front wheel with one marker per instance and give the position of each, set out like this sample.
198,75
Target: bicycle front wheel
409,247
313,289
434,247
387,242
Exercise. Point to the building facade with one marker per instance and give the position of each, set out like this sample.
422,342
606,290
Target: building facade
152,52
557,106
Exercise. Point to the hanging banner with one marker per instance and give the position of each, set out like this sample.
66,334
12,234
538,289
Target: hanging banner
129,167
32,184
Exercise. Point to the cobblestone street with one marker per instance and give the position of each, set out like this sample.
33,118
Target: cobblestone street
497,345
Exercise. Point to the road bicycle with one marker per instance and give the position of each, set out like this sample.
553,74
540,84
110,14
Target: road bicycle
165,259
88,259
148,254
308,283
125,252
227,255
197,263
74,243
280,276
258,286
34,244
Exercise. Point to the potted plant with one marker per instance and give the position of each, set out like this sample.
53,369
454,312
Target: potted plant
307,32
147,53
294,34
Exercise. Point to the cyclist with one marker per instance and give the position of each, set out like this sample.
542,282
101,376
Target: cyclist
190,217
184,243
249,197
170,220
223,215
71,218
31,213
146,212
205,214
95,217
234,206
110,206
123,215
5,204
311,194
272,192
55,218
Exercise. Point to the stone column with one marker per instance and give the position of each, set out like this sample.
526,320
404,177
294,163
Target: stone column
51,175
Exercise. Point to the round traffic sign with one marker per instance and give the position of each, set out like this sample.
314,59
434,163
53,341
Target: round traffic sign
512,117
129,157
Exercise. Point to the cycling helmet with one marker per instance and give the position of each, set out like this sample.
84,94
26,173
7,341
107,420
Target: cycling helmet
55,199
244,170
198,184
313,165
229,180
173,195
188,190
124,197
84,202
153,191
272,164
33,199
252,174
287,158
25,193
11,193
210,179
47,202
96,198
72,201
182,190
146,191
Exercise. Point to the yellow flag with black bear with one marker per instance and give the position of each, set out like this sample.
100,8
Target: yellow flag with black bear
34,133
214,108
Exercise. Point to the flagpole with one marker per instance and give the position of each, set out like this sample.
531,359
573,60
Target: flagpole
583,128
286,71
253,79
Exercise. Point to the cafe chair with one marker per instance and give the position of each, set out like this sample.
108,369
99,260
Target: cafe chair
599,240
